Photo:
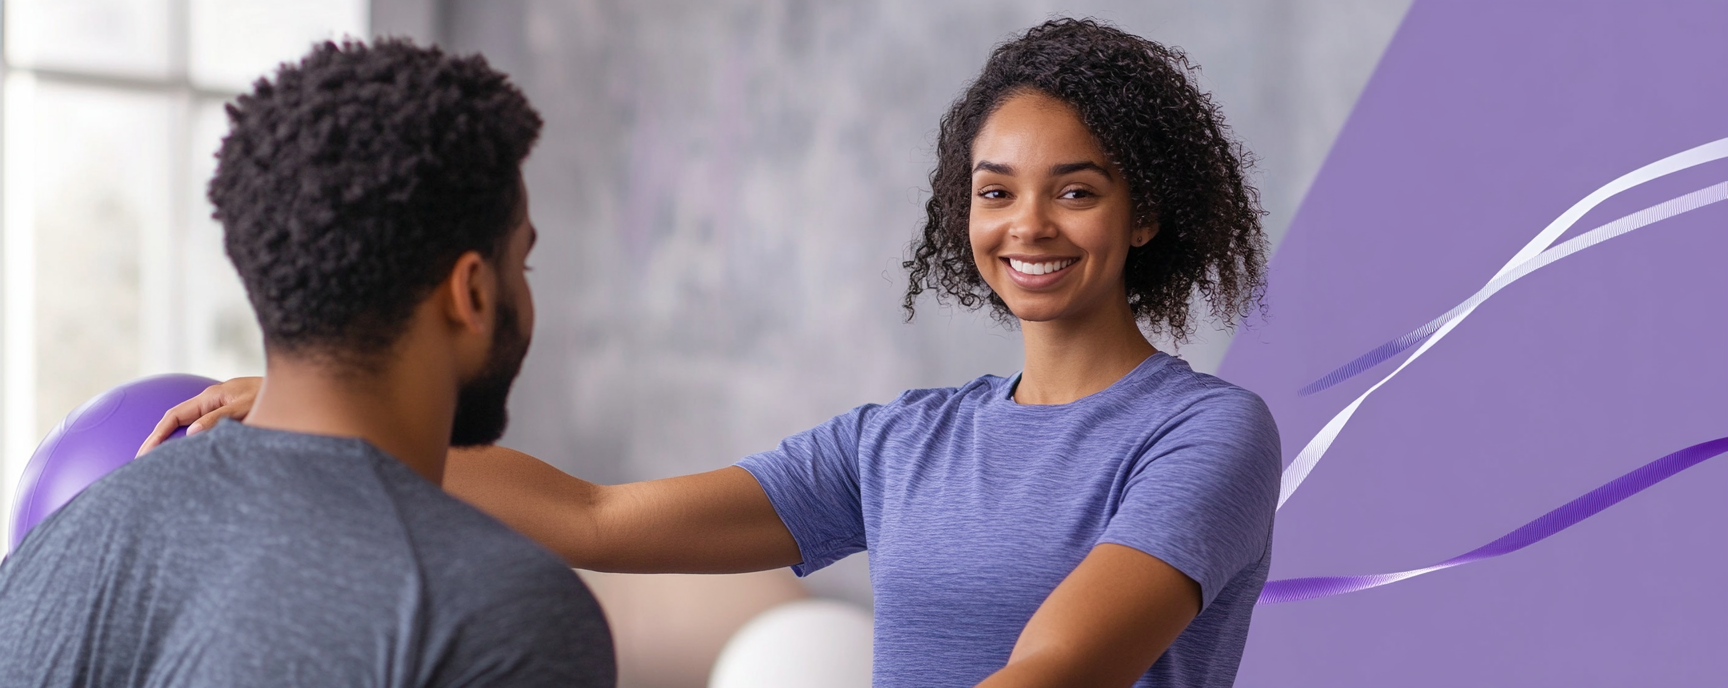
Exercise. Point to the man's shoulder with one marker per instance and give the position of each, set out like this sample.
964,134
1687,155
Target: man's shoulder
504,607
245,478
471,557
472,545
144,497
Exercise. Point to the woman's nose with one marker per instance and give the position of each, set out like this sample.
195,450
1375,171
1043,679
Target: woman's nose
1032,220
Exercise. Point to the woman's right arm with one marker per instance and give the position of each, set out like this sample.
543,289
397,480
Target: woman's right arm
715,522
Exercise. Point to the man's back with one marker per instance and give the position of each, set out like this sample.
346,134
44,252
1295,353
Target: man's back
254,557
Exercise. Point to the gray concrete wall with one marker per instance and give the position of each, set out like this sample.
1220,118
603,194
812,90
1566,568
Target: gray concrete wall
725,191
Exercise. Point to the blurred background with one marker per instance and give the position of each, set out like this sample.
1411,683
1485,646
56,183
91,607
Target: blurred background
724,189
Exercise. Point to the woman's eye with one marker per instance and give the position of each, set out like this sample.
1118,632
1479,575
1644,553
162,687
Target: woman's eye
993,194
1077,193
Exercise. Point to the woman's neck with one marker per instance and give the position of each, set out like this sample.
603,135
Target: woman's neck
1072,358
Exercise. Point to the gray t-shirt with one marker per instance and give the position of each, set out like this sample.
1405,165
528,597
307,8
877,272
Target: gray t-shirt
251,557
974,508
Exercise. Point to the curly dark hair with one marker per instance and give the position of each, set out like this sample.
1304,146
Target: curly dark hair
348,186
1183,168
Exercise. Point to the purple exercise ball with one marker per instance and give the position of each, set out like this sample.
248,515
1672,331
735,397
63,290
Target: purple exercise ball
92,441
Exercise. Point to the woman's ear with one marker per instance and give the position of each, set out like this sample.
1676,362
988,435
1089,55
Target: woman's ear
1142,235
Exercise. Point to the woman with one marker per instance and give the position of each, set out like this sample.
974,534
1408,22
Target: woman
1102,518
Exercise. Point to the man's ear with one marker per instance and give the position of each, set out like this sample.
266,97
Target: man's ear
1142,235
471,293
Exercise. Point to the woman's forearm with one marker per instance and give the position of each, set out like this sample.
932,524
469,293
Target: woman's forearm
714,522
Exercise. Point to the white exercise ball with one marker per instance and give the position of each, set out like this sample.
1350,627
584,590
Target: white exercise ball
802,644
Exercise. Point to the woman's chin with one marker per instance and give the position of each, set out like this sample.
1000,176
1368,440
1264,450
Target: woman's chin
1036,312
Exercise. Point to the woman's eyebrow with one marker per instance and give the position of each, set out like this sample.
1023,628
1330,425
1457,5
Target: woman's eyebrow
998,168
1071,167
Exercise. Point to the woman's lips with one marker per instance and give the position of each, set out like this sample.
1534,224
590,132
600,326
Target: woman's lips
1038,273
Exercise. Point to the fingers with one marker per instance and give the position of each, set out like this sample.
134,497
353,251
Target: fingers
186,412
208,420
231,399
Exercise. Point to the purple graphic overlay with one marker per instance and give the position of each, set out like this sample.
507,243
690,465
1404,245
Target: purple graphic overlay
1620,227
1592,503
1616,229
1539,252
1483,123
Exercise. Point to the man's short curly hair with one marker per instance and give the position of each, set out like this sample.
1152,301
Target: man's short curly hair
1183,168
348,186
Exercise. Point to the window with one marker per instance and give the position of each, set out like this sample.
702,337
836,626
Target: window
110,266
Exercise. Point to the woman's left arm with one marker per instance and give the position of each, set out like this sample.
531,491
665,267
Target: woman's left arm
1195,513
1104,625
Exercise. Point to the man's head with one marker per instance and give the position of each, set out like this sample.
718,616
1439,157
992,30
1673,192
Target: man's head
480,402
359,182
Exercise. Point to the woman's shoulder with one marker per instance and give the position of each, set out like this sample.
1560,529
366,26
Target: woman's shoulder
972,391
930,407
1181,390
1195,409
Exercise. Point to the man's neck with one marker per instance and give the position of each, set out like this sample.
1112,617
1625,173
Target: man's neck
399,408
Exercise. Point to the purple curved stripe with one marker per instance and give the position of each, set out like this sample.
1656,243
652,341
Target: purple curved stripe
1362,363
1592,503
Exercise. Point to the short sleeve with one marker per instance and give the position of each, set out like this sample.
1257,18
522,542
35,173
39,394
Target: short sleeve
1201,497
812,481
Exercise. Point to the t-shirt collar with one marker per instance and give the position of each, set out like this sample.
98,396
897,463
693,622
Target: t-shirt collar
1157,361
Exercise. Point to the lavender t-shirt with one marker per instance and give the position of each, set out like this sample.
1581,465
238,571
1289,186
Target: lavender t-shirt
974,508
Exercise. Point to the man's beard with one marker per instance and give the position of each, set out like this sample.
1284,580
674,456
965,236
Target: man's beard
480,403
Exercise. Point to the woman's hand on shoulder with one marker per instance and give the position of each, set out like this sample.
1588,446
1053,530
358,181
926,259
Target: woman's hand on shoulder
715,522
231,399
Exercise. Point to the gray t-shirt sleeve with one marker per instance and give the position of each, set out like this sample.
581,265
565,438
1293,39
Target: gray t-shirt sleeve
812,481
1202,496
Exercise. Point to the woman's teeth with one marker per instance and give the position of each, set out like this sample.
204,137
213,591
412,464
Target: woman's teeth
1039,268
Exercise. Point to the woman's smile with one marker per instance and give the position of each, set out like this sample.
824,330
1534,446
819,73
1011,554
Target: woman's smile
1038,272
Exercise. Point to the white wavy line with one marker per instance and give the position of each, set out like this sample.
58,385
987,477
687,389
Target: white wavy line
1651,215
1311,454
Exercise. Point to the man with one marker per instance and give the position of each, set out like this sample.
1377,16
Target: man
371,199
